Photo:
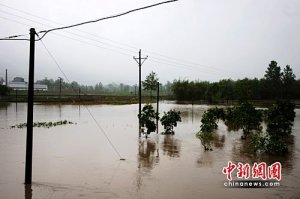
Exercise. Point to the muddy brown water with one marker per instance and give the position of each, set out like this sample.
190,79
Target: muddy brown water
77,161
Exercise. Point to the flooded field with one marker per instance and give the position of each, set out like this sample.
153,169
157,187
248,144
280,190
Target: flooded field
77,161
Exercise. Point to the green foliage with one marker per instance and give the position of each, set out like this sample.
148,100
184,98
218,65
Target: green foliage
147,118
150,82
4,90
206,138
243,116
169,120
280,118
289,83
258,142
208,125
275,85
210,118
43,124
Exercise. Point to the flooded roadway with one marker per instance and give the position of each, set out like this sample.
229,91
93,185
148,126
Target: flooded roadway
77,161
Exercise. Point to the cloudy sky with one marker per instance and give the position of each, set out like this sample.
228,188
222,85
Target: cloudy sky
188,39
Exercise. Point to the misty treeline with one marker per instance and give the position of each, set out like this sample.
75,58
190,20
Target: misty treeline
54,85
277,83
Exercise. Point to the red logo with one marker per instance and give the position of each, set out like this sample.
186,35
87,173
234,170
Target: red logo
259,170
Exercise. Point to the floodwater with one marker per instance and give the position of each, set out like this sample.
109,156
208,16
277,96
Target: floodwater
77,161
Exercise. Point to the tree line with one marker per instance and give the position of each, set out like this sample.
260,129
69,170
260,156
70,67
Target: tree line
276,84
54,85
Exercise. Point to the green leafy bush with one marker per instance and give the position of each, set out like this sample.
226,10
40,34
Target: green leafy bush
279,119
147,118
169,120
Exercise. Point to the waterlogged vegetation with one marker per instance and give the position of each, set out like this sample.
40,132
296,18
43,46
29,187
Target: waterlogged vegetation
169,121
44,124
209,125
149,116
147,119
279,119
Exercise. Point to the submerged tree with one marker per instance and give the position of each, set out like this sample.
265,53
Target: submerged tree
209,125
147,118
279,119
243,116
169,120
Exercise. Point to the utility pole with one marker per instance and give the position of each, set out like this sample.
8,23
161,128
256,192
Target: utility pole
29,139
79,95
157,106
59,88
6,81
140,63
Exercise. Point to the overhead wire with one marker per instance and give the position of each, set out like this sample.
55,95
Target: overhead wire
159,58
55,22
104,18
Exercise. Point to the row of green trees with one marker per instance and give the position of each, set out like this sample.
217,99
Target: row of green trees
148,85
276,84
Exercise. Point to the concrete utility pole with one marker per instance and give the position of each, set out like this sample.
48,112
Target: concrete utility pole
6,81
29,139
59,88
157,107
140,63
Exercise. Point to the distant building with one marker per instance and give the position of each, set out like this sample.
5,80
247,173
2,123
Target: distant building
18,83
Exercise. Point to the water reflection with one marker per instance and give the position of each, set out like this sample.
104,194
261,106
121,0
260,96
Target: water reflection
171,146
190,114
28,191
148,157
148,154
206,159
219,141
241,153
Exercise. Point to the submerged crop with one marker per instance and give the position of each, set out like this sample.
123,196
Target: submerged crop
44,124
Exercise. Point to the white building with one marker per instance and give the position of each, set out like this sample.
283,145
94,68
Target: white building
18,83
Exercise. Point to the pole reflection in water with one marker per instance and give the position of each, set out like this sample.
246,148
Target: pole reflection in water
28,191
148,157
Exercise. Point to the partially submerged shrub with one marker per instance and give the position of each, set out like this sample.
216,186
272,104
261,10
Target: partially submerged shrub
147,118
279,119
245,117
208,125
206,138
169,120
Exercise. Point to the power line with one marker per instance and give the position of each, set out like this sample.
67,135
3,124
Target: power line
104,18
159,58
55,22
1,4
97,20
104,43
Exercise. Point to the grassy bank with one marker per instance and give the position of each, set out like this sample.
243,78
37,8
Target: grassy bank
89,99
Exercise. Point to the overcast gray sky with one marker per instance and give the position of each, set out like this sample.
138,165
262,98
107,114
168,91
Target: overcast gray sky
188,39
